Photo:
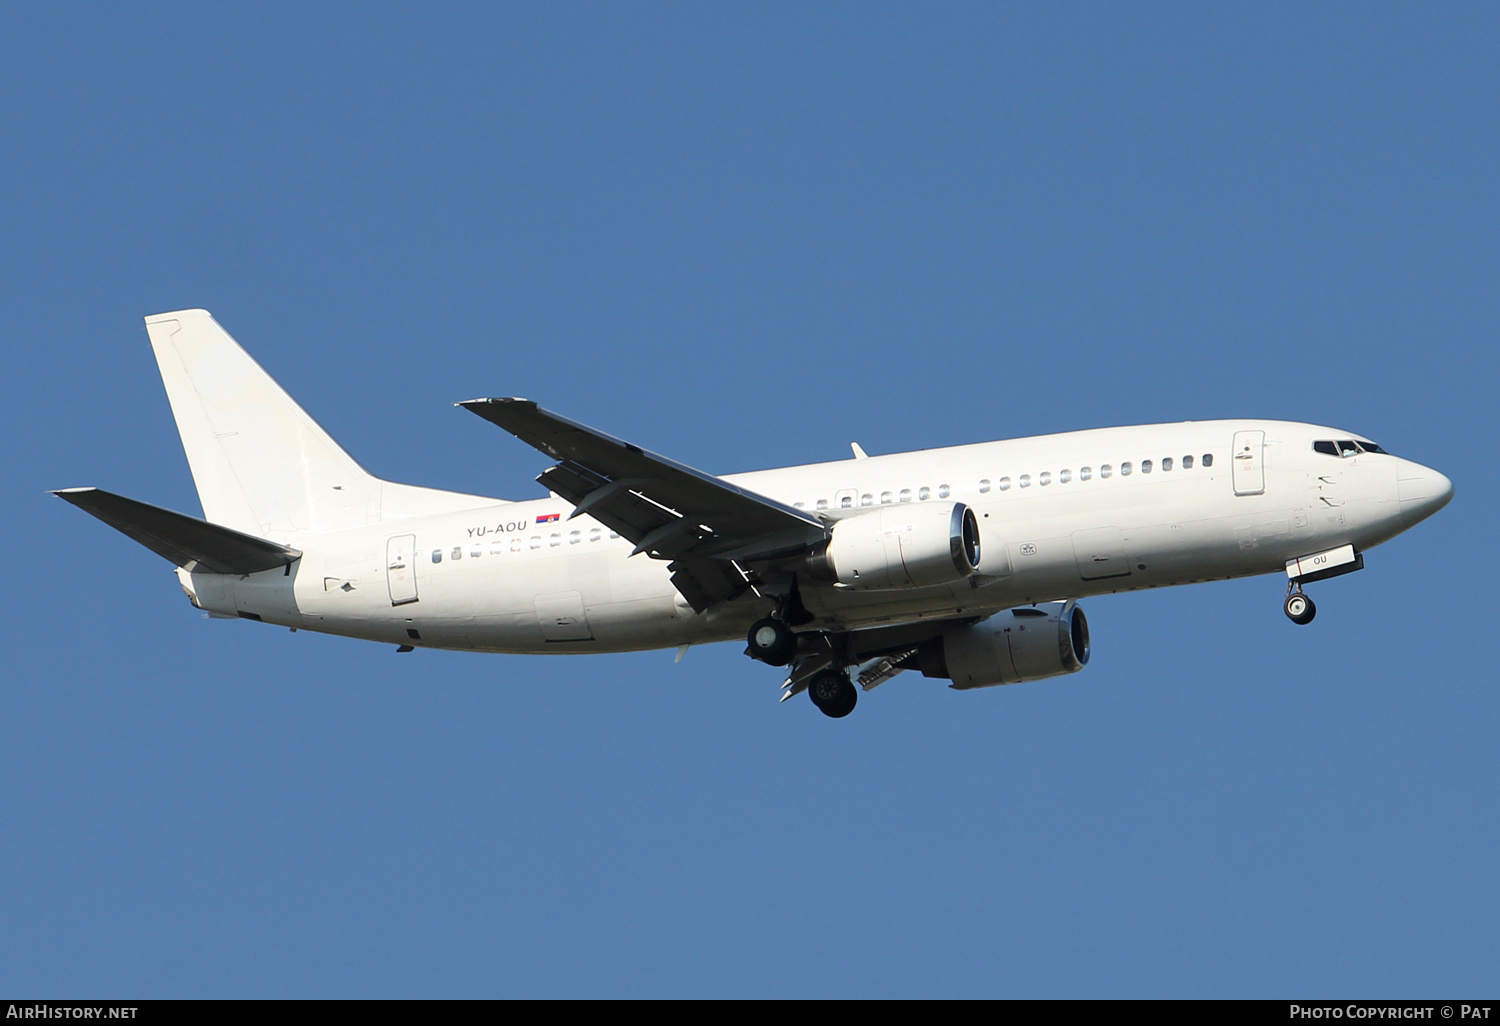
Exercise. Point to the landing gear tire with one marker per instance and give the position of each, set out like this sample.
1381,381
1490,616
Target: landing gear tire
833,693
772,642
1299,608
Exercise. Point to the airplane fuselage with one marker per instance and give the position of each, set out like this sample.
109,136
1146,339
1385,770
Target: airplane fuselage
1061,516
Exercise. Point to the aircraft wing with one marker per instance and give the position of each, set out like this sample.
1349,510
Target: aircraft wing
709,528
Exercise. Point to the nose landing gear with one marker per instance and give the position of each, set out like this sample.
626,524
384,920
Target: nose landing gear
1298,607
1319,566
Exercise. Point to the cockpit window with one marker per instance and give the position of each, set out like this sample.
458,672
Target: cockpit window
1345,447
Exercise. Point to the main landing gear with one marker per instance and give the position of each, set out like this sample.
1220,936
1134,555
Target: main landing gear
833,693
1298,606
772,642
771,639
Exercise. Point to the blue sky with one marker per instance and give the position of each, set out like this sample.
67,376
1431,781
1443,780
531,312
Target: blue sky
742,236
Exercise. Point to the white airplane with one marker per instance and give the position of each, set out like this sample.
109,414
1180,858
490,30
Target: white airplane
963,563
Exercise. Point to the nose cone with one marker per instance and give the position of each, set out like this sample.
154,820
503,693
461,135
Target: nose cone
1422,492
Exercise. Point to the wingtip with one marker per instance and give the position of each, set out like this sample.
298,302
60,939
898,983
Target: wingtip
176,315
467,403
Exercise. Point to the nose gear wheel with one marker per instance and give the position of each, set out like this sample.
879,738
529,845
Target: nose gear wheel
1299,608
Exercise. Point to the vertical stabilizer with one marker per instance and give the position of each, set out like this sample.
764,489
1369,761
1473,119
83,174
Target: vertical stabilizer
261,464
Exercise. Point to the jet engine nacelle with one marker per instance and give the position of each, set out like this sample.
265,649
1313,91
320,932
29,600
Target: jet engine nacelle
1010,647
910,545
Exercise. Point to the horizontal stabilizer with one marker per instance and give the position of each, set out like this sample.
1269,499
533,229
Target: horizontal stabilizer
195,545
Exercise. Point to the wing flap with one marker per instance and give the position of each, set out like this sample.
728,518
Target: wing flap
188,542
621,509
704,582
665,508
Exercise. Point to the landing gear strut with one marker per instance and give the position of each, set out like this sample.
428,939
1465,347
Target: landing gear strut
772,642
1298,607
833,693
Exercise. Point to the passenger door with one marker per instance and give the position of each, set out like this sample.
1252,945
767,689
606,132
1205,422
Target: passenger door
1249,463
401,568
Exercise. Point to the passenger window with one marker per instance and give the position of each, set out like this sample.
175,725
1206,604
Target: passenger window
594,534
1208,459
614,534
574,537
846,501
536,541
942,491
1064,476
822,503
555,540
475,553
437,555
1106,470
1025,481
1187,463
1125,469
867,499
515,545
457,553
885,497
924,494
497,548
905,495
1005,484
1166,464
984,485
798,505
1145,466
1044,478
1084,473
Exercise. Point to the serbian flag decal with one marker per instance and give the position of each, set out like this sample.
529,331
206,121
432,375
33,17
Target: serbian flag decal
548,519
